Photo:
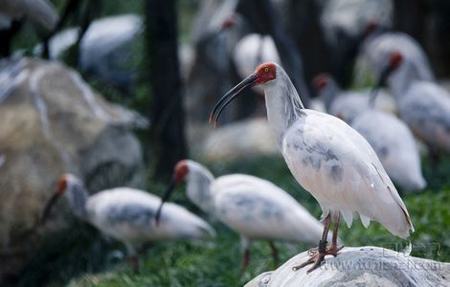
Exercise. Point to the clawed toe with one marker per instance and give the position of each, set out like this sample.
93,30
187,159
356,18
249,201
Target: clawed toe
334,250
317,258
312,252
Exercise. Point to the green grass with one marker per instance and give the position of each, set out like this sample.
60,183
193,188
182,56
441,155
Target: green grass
87,260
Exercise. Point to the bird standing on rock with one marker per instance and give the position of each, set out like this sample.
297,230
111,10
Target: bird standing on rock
328,158
255,208
128,214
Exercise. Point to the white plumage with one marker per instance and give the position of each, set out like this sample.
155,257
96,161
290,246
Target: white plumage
395,147
351,17
41,12
253,49
425,107
394,144
340,169
347,105
255,208
128,215
328,158
377,48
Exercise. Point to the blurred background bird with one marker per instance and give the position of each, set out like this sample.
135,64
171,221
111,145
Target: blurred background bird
253,207
127,215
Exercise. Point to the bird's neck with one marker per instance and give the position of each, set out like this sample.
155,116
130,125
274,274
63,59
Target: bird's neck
283,104
198,188
78,196
401,80
329,93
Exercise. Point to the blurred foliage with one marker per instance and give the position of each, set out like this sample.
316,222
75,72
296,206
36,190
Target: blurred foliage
217,263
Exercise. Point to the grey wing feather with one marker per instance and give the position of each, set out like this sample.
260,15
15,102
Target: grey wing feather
135,215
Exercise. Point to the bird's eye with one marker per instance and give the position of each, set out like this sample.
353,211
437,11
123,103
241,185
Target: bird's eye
266,70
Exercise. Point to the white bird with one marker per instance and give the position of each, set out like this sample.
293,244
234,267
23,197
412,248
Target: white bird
423,105
253,207
394,145
347,105
128,215
41,12
349,17
378,46
328,158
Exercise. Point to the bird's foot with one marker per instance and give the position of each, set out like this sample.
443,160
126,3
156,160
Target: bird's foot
316,260
317,256
332,250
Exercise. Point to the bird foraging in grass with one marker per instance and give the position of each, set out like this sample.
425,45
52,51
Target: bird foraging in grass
127,215
328,158
253,207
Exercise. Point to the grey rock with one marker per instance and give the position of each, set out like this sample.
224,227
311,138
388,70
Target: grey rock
51,122
359,266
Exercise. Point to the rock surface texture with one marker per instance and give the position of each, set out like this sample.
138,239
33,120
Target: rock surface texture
359,266
51,122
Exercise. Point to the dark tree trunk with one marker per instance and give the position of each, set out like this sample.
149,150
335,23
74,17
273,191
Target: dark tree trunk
166,111
438,40
409,17
265,20
6,38
304,26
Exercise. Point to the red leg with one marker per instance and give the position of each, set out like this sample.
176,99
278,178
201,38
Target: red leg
317,258
245,260
274,250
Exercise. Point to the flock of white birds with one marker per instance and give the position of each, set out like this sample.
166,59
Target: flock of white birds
345,155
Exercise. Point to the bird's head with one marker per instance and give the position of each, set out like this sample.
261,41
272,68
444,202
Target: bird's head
264,74
394,61
229,22
371,27
180,171
65,182
321,81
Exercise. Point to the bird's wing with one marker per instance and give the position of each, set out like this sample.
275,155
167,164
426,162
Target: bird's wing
426,109
341,170
349,104
257,208
394,145
132,212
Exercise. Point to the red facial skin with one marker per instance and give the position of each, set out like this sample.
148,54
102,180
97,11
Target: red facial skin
229,22
181,170
62,185
320,81
395,60
371,27
265,73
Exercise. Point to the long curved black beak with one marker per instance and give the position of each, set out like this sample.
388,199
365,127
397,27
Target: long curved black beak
381,82
248,82
164,198
48,207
